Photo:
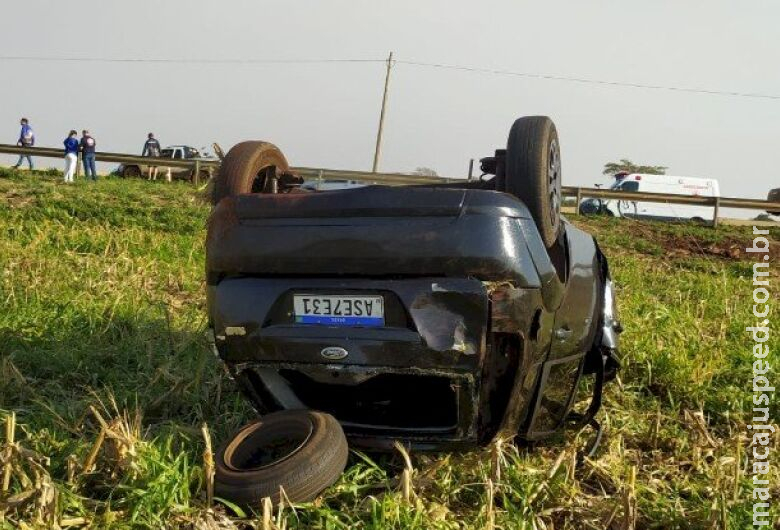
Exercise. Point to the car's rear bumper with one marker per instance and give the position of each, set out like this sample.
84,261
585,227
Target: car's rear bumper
416,379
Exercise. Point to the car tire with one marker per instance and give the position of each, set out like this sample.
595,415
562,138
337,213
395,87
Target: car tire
129,172
589,208
533,172
301,451
245,167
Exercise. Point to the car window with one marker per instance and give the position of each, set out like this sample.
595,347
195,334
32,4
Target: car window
177,153
631,185
166,153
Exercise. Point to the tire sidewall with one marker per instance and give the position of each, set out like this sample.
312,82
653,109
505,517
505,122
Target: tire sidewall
230,474
241,166
303,474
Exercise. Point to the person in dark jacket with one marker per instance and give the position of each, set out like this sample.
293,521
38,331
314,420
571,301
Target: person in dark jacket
151,148
71,155
87,146
26,139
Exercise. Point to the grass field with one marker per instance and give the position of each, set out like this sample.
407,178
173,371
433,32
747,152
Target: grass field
102,329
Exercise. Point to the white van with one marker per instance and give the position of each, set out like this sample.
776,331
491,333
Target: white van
646,183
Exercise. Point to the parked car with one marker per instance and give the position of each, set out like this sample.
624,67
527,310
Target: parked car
438,316
175,152
647,183
774,196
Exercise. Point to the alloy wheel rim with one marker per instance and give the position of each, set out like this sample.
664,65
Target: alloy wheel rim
553,180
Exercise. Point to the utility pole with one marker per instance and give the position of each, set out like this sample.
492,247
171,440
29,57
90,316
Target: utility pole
378,148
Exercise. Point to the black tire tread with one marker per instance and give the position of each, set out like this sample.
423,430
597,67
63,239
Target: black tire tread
526,170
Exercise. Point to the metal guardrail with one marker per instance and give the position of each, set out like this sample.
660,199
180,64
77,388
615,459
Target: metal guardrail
102,156
197,164
668,198
636,196
400,179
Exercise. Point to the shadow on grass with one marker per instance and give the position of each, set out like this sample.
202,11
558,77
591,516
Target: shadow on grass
50,377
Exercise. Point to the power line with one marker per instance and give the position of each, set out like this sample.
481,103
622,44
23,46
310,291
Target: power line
442,66
186,61
590,81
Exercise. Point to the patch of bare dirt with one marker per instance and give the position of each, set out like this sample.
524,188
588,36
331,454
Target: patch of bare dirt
17,200
684,245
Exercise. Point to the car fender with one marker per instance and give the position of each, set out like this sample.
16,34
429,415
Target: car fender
578,314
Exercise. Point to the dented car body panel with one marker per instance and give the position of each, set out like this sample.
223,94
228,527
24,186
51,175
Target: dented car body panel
439,322
485,331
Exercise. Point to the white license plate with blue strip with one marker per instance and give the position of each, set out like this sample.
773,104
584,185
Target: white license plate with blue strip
339,310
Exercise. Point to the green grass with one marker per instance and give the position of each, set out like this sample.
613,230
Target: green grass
102,306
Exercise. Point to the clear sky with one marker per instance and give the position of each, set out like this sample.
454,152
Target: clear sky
326,114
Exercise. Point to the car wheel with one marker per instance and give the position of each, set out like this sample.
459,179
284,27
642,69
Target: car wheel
246,167
533,172
589,207
131,172
301,451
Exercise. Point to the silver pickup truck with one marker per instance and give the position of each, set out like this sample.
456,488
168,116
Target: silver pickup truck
175,152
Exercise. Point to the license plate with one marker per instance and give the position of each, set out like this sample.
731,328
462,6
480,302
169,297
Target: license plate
339,310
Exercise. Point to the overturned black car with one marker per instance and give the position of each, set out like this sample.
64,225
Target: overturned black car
440,316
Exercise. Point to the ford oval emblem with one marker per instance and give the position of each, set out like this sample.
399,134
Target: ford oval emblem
334,353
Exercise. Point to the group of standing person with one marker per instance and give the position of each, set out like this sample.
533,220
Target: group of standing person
84,145
87,148
73,146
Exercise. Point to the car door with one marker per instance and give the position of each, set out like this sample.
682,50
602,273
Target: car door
572,335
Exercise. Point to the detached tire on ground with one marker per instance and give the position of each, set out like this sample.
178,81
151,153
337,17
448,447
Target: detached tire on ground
533,172
301,451
246,167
